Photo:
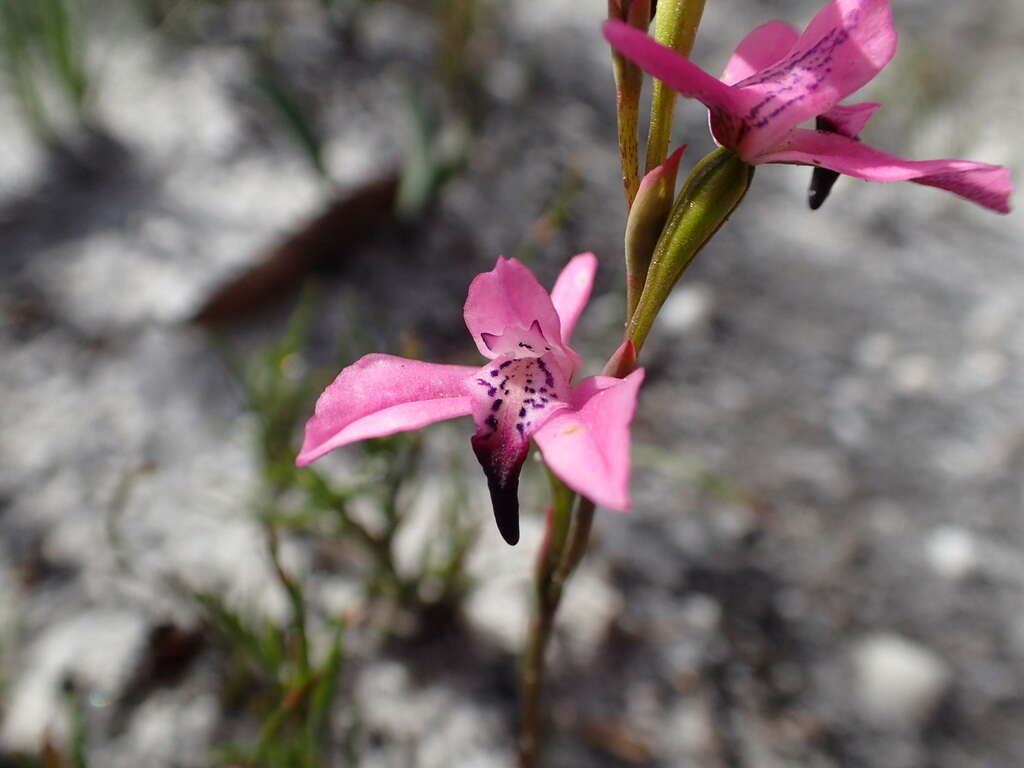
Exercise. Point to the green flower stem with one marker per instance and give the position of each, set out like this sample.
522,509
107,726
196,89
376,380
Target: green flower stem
711,193
559,522
675,25
569,521
627,101
714,189
548,598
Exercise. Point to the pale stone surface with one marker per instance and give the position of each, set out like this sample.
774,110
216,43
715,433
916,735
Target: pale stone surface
898,683
95,649
953,552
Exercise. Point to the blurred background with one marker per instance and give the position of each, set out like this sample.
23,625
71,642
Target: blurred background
209,207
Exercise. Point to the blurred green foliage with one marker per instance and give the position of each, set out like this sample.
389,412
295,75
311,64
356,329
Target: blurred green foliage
44,45
271,671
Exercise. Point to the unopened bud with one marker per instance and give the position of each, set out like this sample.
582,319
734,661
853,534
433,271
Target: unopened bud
646,219
711,193
622,362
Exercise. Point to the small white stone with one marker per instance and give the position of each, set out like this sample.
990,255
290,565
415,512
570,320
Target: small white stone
702,613
506,80
874,351
686,308
897,683
952,552
981,370
96,649
734,521
690,730
992,316
500,605
589,605
914,374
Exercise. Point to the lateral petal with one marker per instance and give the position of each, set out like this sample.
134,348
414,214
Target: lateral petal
843,47
380,395
587,446
763,47
986,185
572,291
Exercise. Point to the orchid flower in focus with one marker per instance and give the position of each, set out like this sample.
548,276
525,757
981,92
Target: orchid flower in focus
778,79
525,391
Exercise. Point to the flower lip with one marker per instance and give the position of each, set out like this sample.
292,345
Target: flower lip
513,396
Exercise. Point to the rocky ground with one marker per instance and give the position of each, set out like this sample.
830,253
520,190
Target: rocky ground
824,566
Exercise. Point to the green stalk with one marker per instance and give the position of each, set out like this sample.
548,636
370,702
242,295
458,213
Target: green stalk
629,80
675,25
711,193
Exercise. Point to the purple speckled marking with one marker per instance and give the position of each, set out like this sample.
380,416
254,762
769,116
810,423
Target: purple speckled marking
516,390
796,76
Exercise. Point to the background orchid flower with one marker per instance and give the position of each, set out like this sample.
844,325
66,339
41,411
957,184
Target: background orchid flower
778,79
526,390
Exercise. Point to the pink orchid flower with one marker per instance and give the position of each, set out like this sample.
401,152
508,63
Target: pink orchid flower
778,79
525,391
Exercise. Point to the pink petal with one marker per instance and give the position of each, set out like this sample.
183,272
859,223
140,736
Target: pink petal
676,71
759,50
843,47
986,185
509,298
587,446
848,119
572,291
380,395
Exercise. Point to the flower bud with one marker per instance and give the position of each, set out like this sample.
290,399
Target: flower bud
646,218
711,193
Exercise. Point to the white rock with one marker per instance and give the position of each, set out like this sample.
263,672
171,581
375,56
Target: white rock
897,683
167,731
874,351
952,552
981,370
95,648
992,316
690,730
500,606
914,375
589,605
686,308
